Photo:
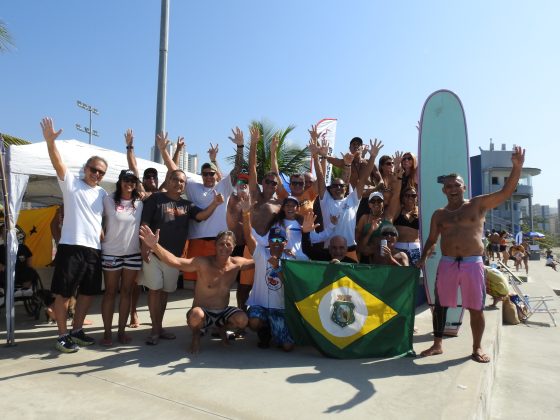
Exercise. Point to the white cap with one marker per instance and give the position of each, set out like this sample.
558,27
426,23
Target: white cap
375,194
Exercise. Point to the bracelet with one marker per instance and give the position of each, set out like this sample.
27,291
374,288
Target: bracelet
129,147
347,165
240,146
213,161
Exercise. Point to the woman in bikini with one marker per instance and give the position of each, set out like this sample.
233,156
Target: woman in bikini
407,225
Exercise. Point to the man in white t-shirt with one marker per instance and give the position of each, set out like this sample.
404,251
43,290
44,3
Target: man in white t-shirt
78,258
334,201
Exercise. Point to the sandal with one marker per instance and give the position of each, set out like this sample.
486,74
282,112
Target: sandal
164,335
152,340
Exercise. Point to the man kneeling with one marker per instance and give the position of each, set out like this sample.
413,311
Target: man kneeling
216,274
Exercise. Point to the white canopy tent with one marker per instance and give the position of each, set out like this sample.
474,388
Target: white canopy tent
32,178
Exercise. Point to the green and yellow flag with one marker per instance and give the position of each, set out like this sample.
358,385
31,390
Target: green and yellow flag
351,310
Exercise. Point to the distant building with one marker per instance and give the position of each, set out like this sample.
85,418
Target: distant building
187,162
541,216
489,172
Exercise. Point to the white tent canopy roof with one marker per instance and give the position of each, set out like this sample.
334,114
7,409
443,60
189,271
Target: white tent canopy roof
33,160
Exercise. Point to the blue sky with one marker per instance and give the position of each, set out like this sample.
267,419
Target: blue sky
371,64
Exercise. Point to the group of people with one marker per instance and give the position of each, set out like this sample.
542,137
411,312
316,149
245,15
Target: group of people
233,228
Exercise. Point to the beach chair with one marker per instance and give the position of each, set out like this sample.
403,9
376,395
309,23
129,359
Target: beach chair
534,304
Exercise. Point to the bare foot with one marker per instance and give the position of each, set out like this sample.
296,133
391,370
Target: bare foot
432,351
106,342
480,357
87,322
224,336
195,343
134,321
123,338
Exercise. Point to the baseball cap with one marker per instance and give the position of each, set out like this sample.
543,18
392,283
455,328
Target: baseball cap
127,173
277,232
290,198
150,171
209,165
375,194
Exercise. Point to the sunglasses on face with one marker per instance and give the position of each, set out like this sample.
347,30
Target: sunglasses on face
208,173
270,182
277,240
376,201
338,185
96,171
130,180
393,234
410,195
297,183
150,177
407,158
389,163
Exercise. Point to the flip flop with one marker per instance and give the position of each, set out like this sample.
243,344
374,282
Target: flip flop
480,358
152,340
164,335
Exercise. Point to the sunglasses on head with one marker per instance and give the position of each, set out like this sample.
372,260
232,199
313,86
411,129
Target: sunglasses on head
96,171
389,234
277,240
297,183
270,182
208,173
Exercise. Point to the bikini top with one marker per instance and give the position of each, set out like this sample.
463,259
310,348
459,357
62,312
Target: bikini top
402,221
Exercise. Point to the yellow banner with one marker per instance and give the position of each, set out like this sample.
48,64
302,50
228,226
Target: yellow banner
36,223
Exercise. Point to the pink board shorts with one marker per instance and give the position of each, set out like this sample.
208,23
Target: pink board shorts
466,273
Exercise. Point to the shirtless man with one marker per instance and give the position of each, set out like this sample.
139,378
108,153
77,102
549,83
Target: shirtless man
216,275
460,224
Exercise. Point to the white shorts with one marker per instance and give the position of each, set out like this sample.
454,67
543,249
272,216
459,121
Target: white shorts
157,275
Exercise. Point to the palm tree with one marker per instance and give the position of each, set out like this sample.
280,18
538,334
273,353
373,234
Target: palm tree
5,38
291,158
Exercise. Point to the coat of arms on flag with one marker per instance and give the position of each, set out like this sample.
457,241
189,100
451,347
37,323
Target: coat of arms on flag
351,310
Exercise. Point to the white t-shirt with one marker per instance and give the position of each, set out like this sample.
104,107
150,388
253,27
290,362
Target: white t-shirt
345,210
83,209
202,197
122,224
268,288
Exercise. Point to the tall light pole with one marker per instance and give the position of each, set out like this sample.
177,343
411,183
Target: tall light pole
91,111
162,74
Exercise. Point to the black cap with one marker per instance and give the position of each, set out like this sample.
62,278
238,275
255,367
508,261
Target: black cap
150,171
127,173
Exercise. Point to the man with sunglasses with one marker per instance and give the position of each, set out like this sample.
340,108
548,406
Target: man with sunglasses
78,259
334,201
202,236
460,224
388,254
266,301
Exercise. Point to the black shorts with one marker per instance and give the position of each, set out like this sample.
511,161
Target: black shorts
76,267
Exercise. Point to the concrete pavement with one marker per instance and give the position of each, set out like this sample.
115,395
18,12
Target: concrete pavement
242,381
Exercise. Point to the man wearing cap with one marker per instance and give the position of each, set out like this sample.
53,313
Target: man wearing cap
202,236
266,300
78,259
334,201
388,254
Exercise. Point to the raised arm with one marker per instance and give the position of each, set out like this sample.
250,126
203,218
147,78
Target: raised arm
396,186
237,139
150,241
374,149
253,182
130,157
347,158
213,155
315,151
180,146
162,142
490,201
245,204
280,190
50,136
